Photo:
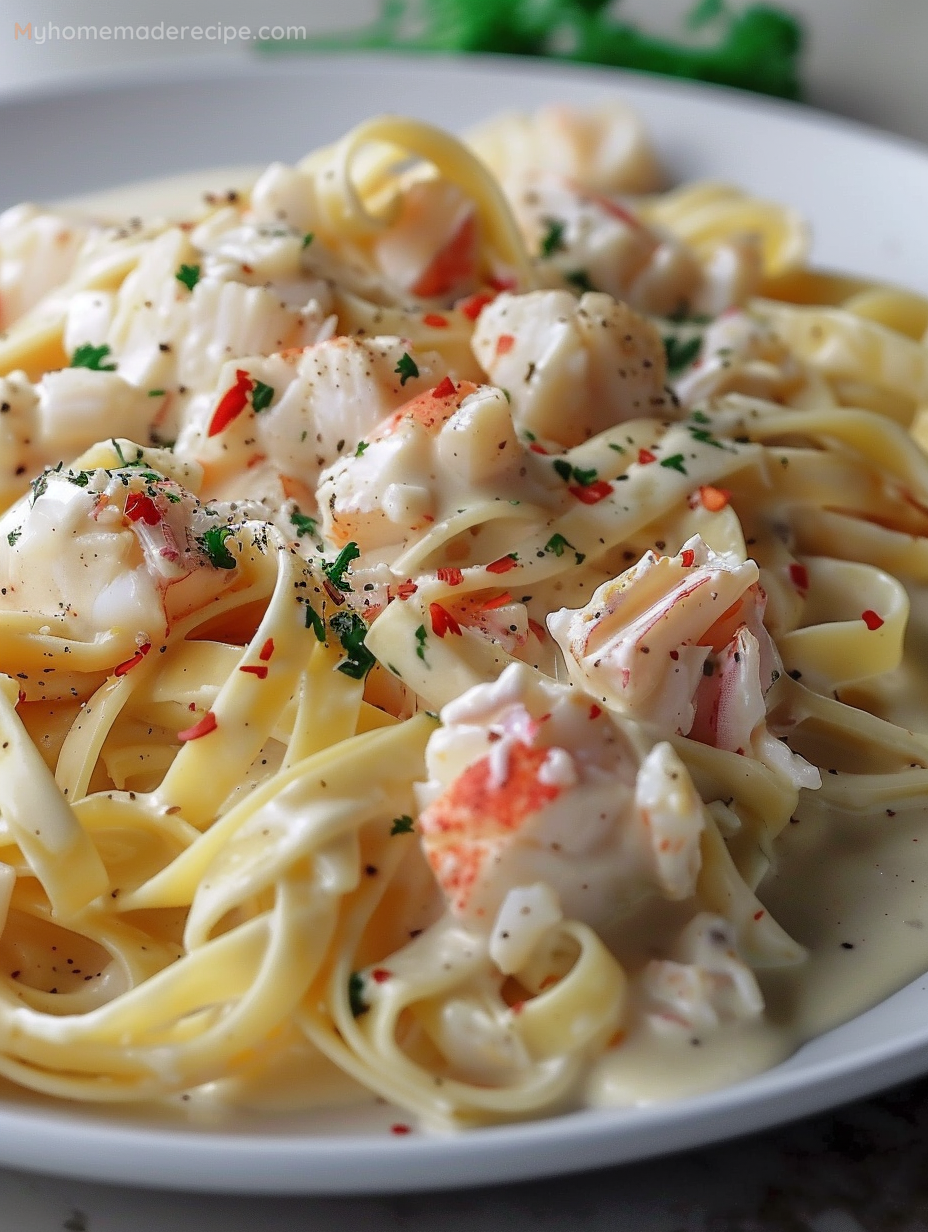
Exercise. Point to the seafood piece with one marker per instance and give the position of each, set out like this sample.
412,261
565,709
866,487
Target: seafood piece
572,369
38,251
531,781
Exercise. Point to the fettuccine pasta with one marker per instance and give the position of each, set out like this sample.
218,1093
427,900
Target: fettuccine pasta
438,587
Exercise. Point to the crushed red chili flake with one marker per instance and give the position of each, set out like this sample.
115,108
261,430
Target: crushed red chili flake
450,576
406,589
687,558
444,389
872,620
266,650
255,669
759,915
499,283
645,456
380,975
593,493
517,1007
399,1130
475,304
203,728
232,403
435,320
442,621
127,666
537,629
21,698
500,601
536,448
799,576
674,654
504,564
595,711
714,499
141,508
504,344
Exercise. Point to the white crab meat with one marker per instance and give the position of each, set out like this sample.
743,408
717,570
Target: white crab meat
430,250
604,148
532,782
448,445
572,369
122,552
704,986
679,642
38,250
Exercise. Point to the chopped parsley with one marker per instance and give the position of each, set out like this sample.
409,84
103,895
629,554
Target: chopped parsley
308,238
553,239
305,525
574,473
704,436
13,536
401,825
580,280
350,629
700,417
213,544
557,544
80,479
356,994
189,275
421,636
261,397
680,354
138,460
362,445
314,621
157,393
406,368
89,356
336,571
675,463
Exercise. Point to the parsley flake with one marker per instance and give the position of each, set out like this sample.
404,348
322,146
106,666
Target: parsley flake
189,275
213,545
356,994
362,445
261,397
351,629
580,280
13,536
304,524
557,544
553,239
308,238
314,621
401,825
675,462
680,354
336,571
421,636
89,356
406,368
157,393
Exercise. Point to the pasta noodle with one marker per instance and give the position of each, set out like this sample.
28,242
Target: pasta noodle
434,585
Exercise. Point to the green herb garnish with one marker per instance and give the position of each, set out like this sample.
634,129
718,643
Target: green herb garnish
351,629
189,275
336,571
261,397
406,368
213,545
304,524
356,994
89,356
553,239
401,825
680,354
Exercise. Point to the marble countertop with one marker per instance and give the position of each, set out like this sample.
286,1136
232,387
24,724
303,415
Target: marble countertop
863,1168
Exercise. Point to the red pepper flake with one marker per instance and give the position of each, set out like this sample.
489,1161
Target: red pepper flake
399,1130
504,564
536,448
645,456
593,493
21,698
445,389
442,621
255,669
504,344
141,508
674,654
759,915
595,711
872,620
537,629
266,650
435,320
502,283
380,975
517,1007
688,558
406,589
232,403
799,576
451,577
714,499
206,725
127,666
475,304
500,601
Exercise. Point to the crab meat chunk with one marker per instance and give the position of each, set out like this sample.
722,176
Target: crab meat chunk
706,985
572,369
38,251
741,354
531,783
431,249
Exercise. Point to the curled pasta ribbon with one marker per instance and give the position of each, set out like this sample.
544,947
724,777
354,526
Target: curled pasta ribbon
356,204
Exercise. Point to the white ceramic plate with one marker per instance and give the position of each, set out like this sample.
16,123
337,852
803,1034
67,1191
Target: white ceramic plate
867,197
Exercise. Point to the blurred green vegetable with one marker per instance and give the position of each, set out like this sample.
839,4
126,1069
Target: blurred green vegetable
756,49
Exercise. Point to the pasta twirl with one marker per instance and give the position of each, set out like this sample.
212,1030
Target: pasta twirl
445,616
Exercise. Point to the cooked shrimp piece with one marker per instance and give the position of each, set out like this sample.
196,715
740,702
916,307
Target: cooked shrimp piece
572,369
531,781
